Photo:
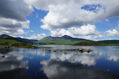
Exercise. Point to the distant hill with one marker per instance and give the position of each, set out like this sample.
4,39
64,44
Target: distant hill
61,40
68,40
6,40
64,40
4,36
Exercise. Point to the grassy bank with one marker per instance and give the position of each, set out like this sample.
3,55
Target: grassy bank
83,44
95,44
14,43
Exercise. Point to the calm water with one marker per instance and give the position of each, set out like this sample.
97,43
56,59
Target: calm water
60,62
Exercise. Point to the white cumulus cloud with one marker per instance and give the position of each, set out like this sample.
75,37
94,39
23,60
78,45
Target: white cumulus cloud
85,31
13,16
37,36
112,32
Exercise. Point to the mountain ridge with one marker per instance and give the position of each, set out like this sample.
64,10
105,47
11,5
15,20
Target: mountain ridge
68,40
65,37
64,40
61,40
5,36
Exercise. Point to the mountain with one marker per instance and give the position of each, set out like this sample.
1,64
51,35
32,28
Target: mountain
4,36
64,40
61,40
68,40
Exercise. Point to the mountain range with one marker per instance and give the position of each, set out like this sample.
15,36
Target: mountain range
61,40
68,40
64,40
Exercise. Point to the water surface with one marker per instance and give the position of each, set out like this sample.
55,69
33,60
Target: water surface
60,62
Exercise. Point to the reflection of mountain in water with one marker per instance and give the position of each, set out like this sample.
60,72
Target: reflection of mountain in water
65,70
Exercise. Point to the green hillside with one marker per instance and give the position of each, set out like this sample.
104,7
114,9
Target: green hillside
58,41
67,40
100,43
6,40
87,44
108,42
64,40
14,43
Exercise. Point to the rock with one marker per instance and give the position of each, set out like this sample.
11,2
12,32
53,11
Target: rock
85,50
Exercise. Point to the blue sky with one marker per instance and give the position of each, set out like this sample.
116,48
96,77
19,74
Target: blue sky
36,19
102,25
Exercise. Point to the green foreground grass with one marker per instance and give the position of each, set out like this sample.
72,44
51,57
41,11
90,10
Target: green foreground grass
14,43
95,44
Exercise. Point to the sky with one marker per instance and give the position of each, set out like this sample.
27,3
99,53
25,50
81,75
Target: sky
36,19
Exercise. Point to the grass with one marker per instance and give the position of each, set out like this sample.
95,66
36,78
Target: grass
81,43
94,44
14,43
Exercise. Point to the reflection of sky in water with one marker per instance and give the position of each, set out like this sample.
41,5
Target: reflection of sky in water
64,70
11,62
64,62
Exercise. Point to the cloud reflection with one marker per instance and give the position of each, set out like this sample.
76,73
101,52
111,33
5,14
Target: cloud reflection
65,70
75,57
11,62
113,57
